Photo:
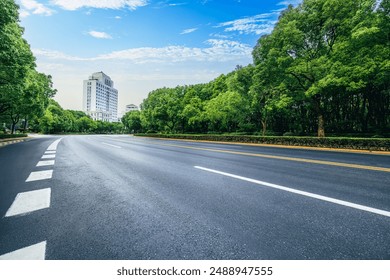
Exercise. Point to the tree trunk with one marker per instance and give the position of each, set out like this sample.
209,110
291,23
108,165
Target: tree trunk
264,125
321,128
321,121
25,125
13,127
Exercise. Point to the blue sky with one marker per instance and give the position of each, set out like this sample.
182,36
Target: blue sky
143,44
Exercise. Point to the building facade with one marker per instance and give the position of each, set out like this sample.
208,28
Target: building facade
131,107
100,98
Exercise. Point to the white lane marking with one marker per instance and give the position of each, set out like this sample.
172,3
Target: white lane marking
40,175
50,152
33,252
48,156
45,163
27,202
112,145
308,194
54,145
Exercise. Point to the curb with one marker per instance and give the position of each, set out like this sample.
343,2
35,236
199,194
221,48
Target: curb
6,142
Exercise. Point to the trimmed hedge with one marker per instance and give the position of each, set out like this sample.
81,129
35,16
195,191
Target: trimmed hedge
373,144
7,136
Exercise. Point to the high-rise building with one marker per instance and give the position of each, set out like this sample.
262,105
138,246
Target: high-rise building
100,98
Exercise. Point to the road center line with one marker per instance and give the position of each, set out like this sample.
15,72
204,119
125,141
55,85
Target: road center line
33,252
304,160
54,145
307,194
111,145
45,163
40,175
48,156
27,202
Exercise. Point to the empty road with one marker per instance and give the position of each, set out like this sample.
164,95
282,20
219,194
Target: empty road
122,197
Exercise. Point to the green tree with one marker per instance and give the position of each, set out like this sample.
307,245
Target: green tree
132,121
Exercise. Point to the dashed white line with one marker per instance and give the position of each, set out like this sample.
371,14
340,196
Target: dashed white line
54,145
27,202
48,156
45,163
308,194
40,175
33,252
112,145
50,152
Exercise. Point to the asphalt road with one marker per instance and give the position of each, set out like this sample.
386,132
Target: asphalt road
120,197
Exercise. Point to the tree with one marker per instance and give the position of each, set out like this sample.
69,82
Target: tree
16,58
132,121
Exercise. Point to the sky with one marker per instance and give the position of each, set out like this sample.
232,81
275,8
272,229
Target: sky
142,44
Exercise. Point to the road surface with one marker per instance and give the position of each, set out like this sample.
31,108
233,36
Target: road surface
121,197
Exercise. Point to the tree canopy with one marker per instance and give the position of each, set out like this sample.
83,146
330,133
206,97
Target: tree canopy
324,68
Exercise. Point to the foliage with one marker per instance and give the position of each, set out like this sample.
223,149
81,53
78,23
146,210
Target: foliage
24,92
57,120
324,68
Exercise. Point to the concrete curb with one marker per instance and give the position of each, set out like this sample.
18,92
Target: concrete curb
5,142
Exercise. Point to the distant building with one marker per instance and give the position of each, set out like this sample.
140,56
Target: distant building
100,98
131,107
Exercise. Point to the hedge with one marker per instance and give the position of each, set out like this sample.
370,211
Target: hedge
7,136
372,144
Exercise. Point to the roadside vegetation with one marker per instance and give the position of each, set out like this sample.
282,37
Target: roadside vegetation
323,71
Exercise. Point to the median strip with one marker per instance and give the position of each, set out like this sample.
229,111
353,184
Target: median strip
303,193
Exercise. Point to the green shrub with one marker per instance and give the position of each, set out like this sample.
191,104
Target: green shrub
7,136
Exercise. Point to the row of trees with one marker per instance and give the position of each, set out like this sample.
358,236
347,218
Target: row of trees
26,95
57,120
24,92
325,67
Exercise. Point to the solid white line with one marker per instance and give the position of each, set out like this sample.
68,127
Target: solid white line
40,175
308,194
50,152
34,252
54,145
112,145
48,156
27,202
45,163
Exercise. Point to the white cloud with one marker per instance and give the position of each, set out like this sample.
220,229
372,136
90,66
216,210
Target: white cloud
24,13
217,50
258,24
176,4
103,4
187,31
289,2
32,6
99,35
118,17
